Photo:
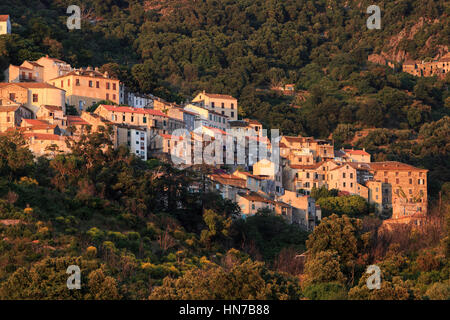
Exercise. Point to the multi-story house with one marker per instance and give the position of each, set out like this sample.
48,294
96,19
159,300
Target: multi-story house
85,87
406,184
438,68
135,137
273,173
321,149
28,71
53,68
246,127
155,121
45,144
228,185
11,114
33,95
352,155
5,24
207,118
132,99
42,70
222,104
302,178
53,115
305,213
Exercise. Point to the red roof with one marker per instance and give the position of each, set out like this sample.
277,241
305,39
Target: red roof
43,136
307,167
4,17
28,85
76,121
169,137
35,122
134,110
393,165
219,96
357,152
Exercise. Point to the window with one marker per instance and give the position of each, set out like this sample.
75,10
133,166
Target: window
107,85
343,175
212,105
68,82
90,83
35,97
30,75
232,114
223,105
107,96
114,86
144,119
343,184
410,181
97,84
12,96
77,82
62,83
351,175
132,120
114,97
123,117
232,106
396,181
8,119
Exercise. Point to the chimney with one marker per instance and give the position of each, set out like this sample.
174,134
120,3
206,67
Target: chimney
89,68
106,74
96,69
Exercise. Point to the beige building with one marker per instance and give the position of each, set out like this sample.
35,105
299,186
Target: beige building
5,24
28,71
357,155
304,209
33,95
220,103
47,145
438,68
406,184
85,87
320,149
53,68
11,114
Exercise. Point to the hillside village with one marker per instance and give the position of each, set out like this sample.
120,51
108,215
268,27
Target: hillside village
277,174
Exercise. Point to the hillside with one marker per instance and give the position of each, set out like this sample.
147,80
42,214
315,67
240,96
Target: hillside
134,227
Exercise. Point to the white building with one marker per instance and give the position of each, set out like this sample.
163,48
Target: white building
5,24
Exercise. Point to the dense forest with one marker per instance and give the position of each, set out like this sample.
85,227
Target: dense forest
134,227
